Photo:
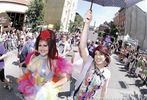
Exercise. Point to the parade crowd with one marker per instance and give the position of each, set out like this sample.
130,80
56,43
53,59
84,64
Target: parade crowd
43,59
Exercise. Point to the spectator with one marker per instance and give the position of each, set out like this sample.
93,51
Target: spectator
3,55
28,47
63,46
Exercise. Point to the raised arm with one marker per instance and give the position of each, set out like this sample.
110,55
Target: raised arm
83,39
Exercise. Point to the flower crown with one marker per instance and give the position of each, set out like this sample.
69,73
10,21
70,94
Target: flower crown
45,35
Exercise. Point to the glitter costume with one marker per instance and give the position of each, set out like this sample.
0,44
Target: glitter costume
40,77
46,71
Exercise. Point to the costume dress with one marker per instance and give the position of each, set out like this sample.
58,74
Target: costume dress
37,83
94,79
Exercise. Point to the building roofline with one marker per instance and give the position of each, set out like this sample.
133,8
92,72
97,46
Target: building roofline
15,2
140,8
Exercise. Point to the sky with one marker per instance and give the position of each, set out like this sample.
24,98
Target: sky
101,13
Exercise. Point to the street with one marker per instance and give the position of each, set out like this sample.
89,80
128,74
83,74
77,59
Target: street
121,87
67,28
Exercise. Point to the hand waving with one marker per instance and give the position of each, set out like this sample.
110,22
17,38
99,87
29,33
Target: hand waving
88,16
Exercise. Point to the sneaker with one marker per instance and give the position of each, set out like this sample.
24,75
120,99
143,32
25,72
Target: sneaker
5,86
9,87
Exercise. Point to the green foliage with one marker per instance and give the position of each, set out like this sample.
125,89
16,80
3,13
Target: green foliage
72,27
35,13
113,30
101,33
78,20
57,26
78,23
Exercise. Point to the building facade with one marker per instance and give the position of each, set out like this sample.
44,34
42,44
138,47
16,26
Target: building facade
119,21
61,11
136,25
57,11
15,9
132,21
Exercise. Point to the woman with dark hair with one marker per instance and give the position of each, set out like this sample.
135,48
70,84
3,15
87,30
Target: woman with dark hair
46,71
94,75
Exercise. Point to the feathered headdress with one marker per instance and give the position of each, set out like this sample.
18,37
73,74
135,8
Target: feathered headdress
45,35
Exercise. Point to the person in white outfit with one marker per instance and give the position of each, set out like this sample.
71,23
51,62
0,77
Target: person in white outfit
63,46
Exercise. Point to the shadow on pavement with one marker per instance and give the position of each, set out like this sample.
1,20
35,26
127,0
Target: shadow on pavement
12,94
14,83
134,96
115,56
138,83
67,94
122,69
118,63
143,91
130,75
123,84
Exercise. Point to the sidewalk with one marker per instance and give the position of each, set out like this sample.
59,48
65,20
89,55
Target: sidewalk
122,87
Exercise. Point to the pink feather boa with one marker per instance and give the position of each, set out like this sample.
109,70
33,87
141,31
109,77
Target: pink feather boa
63,66
26,83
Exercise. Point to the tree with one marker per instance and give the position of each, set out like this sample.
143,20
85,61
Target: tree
72,27
78,20
78,23
113,30
57,26
35,13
